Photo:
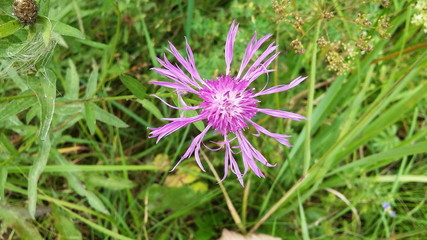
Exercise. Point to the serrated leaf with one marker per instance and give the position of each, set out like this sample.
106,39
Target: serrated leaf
151,108
9,28
67,30
108,118
134,86
44,86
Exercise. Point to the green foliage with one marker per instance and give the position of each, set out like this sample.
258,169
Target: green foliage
67,230
134,86
17,219
9,28
75,107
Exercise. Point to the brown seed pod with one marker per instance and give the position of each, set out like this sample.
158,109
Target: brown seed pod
25,11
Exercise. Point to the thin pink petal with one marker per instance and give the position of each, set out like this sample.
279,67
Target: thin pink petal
172,127
167,104
262,68
174,72
190,55
270,49
279,137
194,148
175,86
188,65
249,153
230,163
251,49
229,45
282,114
281,88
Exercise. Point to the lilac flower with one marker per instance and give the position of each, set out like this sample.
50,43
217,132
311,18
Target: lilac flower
387,207
228,104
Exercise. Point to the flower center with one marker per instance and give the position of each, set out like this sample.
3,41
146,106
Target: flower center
227,103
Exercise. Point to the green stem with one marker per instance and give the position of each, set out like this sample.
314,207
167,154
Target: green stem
22,149
276,82
6,99
101,99
230,205
85,168
310,103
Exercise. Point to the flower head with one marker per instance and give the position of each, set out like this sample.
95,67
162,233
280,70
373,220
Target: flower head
228,104
387,208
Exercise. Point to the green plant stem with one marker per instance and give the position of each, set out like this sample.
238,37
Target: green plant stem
101,99
189,21
22,149
6,99
276,82
85,168
310,103
151,52
245,201
230,205
401,178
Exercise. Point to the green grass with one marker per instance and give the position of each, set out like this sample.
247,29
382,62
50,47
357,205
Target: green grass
76,161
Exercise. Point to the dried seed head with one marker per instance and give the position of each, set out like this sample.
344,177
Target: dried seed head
282,9
336,62
297,46
363,43
362,20
25,11
385,3
383,26
322,42
328,15
298,22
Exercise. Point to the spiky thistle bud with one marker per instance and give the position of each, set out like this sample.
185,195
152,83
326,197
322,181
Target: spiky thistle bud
25,11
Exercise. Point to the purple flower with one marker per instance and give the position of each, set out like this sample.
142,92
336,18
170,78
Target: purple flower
387,207
228,104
